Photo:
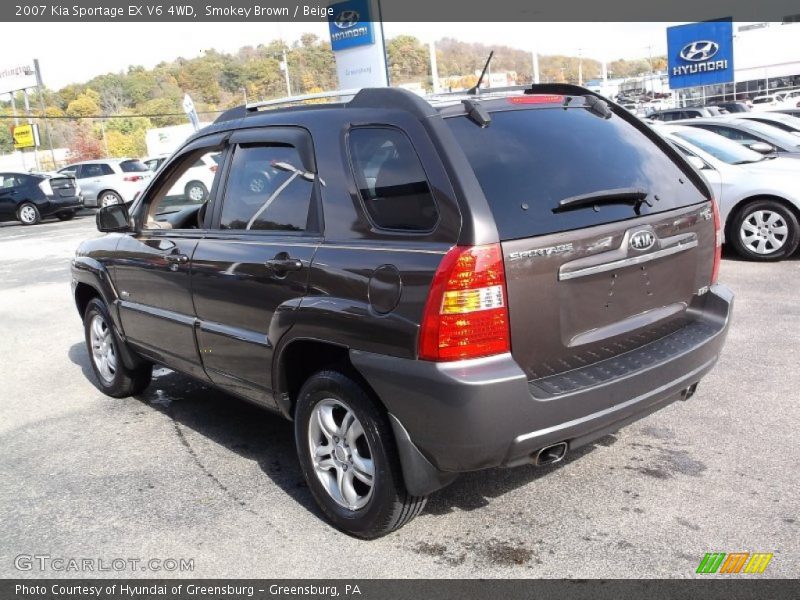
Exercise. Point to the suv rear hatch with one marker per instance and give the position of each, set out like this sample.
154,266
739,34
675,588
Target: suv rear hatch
607,239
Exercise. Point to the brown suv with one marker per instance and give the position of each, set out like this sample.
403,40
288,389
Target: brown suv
424,288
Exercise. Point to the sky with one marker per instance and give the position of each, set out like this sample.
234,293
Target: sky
92,49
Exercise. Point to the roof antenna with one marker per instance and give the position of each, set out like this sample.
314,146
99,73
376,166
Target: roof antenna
474,90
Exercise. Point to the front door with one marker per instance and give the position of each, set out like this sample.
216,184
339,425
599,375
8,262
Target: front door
250,271
152,267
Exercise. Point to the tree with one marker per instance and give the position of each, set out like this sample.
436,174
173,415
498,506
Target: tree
83,106
83,144
408,59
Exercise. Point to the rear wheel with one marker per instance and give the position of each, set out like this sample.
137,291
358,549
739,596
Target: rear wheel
348,457
28,214
765,230
196,191
65,216
108,198
113,377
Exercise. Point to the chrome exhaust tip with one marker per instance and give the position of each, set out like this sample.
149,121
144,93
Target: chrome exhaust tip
550,454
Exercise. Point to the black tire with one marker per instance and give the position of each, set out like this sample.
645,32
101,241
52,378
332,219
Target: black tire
65,216
744,232
390,506
199,189
108,198
123,381
28,214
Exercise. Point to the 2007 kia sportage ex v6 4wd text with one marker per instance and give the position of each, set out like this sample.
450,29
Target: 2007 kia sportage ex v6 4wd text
424,288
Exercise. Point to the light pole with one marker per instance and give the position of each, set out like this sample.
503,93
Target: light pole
285,69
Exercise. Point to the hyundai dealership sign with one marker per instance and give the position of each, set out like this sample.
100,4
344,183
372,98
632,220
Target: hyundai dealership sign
350,25
357,42
700,53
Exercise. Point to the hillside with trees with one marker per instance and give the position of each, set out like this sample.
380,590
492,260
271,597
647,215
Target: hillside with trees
132,101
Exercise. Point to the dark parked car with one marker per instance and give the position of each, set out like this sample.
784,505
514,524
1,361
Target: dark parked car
423,289
733,107
30,197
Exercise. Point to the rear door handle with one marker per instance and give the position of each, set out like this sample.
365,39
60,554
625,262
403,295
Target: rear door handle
177,259
281,264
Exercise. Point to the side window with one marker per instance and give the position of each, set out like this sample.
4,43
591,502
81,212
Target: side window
267,190
74,171
182,191
95,170
8,181
734,134
391,181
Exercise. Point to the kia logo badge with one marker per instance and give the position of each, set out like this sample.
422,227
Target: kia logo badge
699,51
642,240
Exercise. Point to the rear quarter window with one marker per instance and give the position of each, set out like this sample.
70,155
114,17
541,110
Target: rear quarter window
527,161
133,166
391,181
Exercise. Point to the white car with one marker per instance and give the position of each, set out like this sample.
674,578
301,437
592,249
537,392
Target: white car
765,102
195,183
109,181
758,196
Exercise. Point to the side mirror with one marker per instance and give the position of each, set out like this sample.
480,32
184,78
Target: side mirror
697,162
761,147
113,217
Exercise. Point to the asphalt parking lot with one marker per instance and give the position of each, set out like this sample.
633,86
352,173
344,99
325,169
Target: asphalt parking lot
186,472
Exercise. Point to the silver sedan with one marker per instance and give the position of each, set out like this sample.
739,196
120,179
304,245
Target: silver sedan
758,196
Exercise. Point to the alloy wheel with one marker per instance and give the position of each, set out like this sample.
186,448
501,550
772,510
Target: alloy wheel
341,454
764,232
104,352
27,214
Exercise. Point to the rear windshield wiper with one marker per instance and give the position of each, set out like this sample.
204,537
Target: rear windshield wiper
633,196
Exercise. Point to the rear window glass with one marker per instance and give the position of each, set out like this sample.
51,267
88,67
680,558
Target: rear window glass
527,161
133,166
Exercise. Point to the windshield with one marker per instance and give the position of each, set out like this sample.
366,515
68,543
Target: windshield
719,147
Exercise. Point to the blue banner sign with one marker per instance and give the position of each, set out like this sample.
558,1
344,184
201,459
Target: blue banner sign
350,25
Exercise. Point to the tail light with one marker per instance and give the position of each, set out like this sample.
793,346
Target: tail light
717,242
46,188
466,314
132,178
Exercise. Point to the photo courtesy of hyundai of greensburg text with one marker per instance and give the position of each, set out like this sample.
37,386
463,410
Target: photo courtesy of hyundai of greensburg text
391,300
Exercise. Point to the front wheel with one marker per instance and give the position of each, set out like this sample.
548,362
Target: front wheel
349,459
113,377
765,230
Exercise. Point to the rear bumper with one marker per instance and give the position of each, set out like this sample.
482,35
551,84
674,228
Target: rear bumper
70,203
484,413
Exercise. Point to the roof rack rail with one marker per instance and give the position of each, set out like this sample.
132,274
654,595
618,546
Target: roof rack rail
254,106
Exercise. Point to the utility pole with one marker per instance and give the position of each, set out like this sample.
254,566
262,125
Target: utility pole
16,122
535,67
434,67
30,122
580,66
285,69
40,91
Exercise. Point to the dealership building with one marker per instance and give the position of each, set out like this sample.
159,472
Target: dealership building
765,57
